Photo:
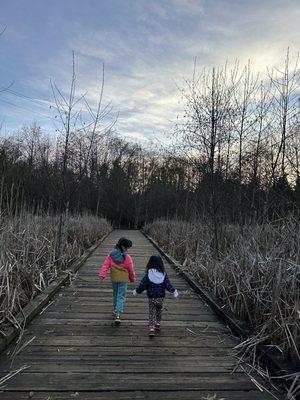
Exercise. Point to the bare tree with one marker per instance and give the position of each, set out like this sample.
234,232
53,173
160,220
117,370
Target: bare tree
208,98
286,84
243,112
81,127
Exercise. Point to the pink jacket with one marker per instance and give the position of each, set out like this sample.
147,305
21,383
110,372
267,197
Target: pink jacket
118,272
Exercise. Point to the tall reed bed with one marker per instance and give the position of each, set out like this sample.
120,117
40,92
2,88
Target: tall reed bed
256,272
27,254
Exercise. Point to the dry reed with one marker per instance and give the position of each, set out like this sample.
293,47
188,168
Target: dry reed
256,272
27,254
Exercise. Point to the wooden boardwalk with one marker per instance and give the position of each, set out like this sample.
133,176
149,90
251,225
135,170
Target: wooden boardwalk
75,352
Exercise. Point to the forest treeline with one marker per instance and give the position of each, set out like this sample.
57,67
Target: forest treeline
131,186
233,158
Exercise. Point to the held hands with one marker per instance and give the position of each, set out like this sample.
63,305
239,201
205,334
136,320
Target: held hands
134,292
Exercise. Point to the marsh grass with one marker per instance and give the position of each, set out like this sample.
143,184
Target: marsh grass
27,254
256,272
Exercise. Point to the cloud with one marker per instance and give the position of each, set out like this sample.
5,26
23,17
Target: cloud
148,49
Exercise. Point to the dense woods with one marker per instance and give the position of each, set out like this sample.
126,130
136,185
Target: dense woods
129,185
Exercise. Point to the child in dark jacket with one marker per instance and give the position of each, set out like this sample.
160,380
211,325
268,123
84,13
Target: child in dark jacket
156,282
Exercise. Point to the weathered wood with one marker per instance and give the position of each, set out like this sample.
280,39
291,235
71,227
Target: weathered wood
132,340
47,366
73,349
139,395
124,330
70,314
134,322
121,350
130,381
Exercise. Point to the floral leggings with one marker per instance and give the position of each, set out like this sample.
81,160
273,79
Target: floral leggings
155,311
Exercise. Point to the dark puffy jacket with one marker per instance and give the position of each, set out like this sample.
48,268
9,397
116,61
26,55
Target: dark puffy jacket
155,290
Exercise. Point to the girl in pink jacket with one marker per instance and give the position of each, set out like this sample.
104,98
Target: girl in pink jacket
121,268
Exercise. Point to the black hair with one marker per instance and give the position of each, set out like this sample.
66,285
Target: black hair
123,243
157,263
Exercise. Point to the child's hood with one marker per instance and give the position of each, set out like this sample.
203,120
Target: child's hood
117,256
155,276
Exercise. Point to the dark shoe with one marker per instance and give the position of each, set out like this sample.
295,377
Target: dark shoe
157,326
117,319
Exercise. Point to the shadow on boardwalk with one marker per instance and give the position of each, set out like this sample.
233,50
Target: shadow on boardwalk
76,353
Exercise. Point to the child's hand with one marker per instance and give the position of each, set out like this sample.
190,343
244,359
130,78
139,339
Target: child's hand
134,292
175,294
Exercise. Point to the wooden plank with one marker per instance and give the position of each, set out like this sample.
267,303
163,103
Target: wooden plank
123,330
108,322
141,307
164,341
138,337
121,350
142,395
137,381
51,366
205,360
70,314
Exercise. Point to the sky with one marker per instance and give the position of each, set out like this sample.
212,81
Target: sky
148,49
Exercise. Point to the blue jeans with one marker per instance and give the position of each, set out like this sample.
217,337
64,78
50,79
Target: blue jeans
119,291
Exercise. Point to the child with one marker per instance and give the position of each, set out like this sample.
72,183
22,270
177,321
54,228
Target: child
121,270
156,282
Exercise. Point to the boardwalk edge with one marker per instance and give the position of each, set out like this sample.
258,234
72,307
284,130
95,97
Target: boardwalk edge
35,306
268,355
